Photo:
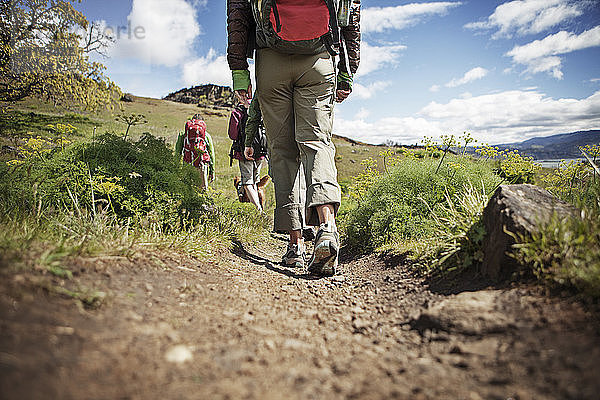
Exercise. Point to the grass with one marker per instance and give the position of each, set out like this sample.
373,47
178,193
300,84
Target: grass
403,205
565,253
165,120
43,226
435,218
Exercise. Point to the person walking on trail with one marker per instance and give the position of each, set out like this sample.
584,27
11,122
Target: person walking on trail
254,126
252,135
196,146
297,43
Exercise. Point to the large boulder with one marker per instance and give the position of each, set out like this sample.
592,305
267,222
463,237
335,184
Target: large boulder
521,210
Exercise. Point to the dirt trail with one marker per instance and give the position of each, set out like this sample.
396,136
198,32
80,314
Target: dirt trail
244,327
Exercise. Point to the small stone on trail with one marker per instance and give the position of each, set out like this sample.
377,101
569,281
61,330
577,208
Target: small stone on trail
134,317
294,344
65,330
148,287
338,278
269,344
360,325
179,354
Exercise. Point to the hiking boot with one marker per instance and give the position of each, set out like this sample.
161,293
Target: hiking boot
325,255
295,257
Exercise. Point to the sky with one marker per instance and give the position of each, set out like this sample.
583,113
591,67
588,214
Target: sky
504,71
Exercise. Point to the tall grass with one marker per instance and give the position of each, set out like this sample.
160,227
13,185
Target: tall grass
565,252
115,197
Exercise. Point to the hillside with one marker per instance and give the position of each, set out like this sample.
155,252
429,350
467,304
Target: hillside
204,96
557,146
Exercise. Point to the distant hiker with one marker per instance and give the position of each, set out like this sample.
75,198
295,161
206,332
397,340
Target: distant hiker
296,43
246,129
196,146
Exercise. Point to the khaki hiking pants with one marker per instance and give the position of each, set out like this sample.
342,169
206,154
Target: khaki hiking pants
296,96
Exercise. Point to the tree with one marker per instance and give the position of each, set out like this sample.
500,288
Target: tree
44,52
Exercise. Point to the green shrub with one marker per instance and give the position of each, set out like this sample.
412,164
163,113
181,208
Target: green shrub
400,204
574,181
566,252
131,189
133,179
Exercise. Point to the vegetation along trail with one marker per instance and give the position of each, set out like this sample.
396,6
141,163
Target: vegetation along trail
91,308
120,278
242,327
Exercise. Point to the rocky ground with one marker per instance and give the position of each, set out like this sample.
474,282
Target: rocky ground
171,327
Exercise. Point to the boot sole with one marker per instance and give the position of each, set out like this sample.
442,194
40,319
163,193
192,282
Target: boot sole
298,264
324,259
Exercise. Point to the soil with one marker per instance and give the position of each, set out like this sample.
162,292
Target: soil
242,327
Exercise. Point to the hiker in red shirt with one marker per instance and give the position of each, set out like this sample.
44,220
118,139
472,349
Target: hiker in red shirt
196,146
297,43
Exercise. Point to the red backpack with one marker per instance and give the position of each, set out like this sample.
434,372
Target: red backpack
300,26
195,149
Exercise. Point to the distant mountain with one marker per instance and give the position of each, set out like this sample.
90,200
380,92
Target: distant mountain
561,146
204,95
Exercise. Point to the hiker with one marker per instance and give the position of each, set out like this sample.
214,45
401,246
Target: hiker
254,125
296,44
196,146
246,129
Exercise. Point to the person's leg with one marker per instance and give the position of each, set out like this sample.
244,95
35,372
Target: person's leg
203,169
275,88
313,106
247,176
273,74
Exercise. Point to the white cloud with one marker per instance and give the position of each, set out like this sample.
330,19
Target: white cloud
542,55
373,58
366,92
470,76
408,130
523,17
159,32
212,68
362,113
504,117
378,19
199,3
434,88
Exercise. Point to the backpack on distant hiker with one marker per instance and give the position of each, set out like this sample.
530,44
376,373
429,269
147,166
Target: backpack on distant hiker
282,25
195,150
237,133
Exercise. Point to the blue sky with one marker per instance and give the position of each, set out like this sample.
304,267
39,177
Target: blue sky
503,70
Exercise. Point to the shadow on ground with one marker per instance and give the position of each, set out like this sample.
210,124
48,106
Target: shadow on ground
240,251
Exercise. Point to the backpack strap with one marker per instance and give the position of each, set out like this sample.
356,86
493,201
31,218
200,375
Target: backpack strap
276,15
332,41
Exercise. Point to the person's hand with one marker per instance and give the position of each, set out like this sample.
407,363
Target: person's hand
244,96
249,153
342,95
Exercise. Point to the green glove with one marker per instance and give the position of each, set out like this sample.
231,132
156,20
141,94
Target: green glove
241,79
344,81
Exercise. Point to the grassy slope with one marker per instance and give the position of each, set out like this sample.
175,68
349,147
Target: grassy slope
166,119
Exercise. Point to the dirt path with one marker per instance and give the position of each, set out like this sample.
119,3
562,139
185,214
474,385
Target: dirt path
178,328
